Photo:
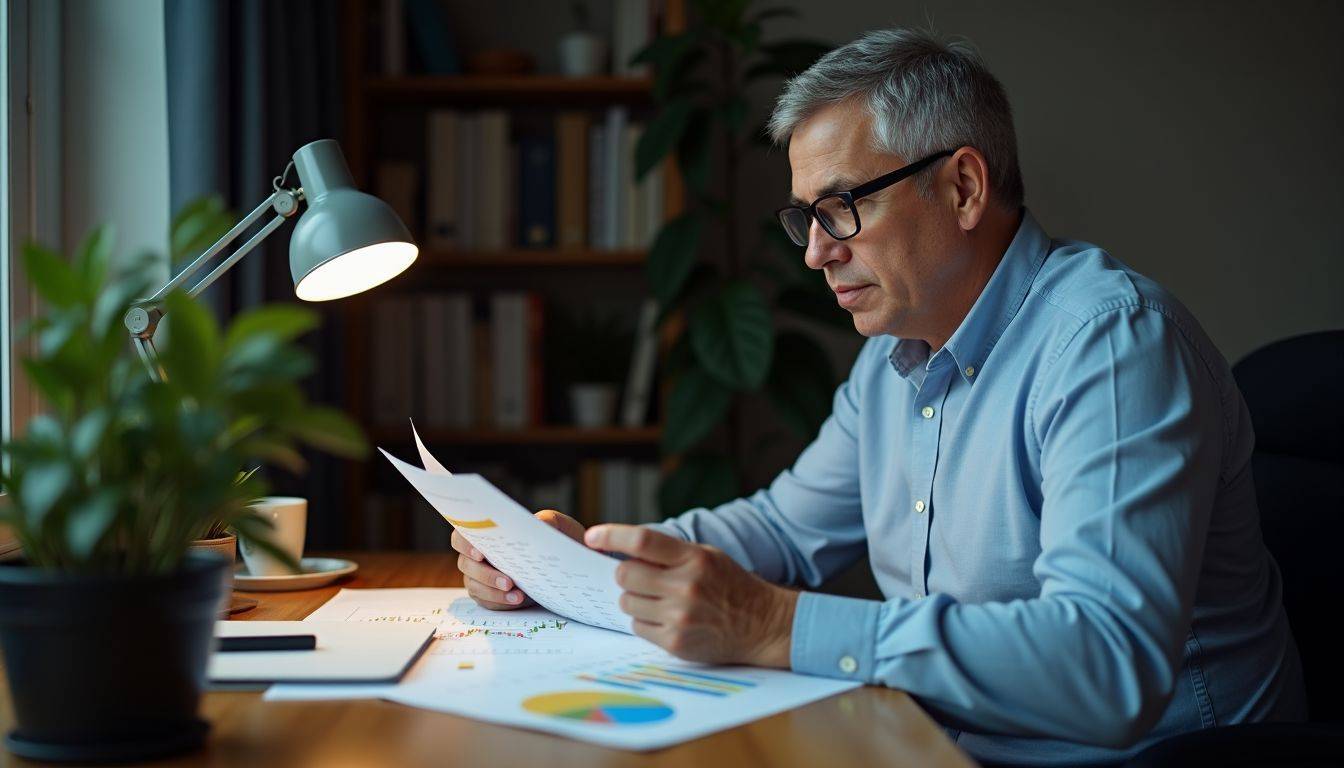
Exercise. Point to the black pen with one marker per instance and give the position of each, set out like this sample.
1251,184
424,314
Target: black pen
268,643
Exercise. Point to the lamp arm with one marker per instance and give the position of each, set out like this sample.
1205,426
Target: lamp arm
142,320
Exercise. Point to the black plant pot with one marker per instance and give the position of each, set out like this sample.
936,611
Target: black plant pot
108,668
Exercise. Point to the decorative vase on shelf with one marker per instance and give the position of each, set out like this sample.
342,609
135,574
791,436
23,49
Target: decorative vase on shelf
593,405
582,54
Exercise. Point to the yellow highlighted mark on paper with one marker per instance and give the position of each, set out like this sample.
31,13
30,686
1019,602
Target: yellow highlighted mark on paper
466,665
486,523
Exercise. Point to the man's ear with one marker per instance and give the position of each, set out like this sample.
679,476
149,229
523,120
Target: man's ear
969,188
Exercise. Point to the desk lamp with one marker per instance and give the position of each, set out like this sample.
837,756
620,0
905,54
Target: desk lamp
345,243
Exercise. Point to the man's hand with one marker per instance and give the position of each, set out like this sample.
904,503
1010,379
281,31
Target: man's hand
491,588
695,601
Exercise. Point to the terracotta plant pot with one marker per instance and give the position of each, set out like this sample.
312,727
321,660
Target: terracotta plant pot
224,546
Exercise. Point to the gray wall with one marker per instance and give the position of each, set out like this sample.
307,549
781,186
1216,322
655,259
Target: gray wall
1198,142
114,123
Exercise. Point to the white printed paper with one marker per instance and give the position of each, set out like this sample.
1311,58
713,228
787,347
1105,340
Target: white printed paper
558,572
590,684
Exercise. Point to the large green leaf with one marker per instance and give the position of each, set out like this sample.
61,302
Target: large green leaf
671,57
699,481
332,431
197,226
673,255
801,382
92,258
661,136
284,322
191,356
696,405
90,521
54,279
732,335
693,153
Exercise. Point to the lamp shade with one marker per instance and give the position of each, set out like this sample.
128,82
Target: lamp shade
347,241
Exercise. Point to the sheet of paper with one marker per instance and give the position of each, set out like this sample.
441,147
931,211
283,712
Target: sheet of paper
594,685
558,572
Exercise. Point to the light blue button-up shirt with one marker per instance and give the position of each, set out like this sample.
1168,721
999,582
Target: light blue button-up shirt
1058,506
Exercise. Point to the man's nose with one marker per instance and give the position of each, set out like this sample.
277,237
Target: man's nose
822,249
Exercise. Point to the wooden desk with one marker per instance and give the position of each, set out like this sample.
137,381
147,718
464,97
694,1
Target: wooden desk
868,726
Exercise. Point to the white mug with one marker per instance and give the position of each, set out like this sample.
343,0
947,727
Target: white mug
289,520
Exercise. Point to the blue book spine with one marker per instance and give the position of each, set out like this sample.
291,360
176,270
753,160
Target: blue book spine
429,27
536,184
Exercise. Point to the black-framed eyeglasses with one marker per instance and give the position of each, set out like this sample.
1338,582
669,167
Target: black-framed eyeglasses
836,210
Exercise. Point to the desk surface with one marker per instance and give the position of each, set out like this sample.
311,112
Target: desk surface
867,726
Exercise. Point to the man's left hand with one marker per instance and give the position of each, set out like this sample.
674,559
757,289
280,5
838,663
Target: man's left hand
695,601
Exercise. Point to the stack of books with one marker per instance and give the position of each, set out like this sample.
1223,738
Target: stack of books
570,186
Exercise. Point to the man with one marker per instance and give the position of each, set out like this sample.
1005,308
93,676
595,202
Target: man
1044,456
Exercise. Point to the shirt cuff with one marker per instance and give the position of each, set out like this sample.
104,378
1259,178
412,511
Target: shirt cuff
834,636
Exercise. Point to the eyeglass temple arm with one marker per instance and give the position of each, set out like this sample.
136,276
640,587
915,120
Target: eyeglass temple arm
868,188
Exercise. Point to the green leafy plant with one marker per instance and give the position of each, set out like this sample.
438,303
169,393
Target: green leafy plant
733,347
121,473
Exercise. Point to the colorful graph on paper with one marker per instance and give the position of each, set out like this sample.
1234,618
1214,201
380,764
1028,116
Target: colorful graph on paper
599,707
645,677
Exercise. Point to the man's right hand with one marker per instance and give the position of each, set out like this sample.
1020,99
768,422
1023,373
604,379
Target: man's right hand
491,588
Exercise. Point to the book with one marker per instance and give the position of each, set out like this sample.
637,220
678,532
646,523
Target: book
631,193
469,169
443,225
589,496
571,179
613,176
446,360
536,192
393,387
646,482
491,211
509,342
429,28
393,18
639,383
618,491
597,193
397,184
630,30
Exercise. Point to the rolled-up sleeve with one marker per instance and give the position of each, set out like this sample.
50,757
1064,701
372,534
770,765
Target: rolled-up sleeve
1128,419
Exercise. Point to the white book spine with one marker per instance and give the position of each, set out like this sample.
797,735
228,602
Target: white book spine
443,223
597,193
639,383
613,181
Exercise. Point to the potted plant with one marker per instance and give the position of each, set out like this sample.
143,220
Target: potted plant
106,627
589,352
728,295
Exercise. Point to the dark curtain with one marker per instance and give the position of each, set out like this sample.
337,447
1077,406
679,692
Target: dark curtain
249,82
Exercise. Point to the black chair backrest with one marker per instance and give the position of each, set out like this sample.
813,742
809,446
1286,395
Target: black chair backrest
1294,389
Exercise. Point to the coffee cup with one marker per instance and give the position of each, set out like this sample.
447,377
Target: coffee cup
288,516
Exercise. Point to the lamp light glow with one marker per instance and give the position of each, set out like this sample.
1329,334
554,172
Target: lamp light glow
356,271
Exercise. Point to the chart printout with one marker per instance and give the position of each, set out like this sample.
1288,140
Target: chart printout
585,683
558,572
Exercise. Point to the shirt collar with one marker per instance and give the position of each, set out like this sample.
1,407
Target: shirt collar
989,317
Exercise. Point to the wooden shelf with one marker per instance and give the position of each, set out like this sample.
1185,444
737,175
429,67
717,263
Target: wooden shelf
546,435
509,87
536,257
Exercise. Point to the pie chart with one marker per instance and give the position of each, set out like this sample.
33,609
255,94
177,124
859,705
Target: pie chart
599,707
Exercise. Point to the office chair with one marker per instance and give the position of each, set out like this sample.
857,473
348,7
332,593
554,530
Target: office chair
1294,389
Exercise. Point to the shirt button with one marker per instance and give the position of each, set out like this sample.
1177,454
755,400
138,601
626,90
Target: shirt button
848,665
970,370
927,412
919,505
919,595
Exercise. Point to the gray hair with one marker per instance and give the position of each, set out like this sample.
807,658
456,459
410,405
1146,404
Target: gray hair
924,96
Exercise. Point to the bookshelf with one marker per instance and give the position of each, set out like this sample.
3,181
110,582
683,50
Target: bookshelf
374,101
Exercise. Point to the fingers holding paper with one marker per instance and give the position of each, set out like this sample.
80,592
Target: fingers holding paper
695,601
490,587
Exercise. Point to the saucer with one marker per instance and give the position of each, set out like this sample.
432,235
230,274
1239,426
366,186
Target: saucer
317,572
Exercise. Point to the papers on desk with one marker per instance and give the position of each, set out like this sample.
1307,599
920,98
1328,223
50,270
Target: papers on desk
533,668
561,574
